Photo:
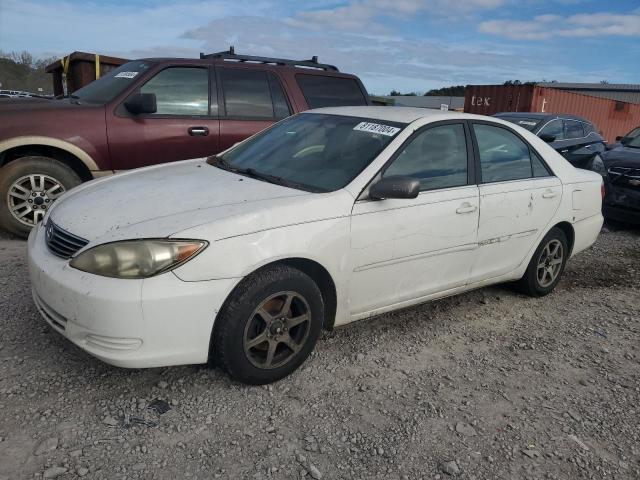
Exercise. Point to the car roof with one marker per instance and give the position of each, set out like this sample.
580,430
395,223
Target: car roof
394,114
540,116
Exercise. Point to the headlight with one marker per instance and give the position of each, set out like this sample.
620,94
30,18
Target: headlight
597,165
137,258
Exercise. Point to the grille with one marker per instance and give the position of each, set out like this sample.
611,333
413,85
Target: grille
61,242
625,175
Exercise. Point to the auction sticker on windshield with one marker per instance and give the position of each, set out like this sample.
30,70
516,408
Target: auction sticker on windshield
126,75
377,128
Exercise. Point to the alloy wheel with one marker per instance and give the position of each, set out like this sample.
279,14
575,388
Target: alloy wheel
550,263
277,330
30,197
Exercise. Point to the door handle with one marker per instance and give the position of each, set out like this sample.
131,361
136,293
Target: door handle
198,131
466,208
549,194
564,151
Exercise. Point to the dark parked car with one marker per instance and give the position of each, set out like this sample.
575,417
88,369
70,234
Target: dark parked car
620,169
576,138
151,111
621,140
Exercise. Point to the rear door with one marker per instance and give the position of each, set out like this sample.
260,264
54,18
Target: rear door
250,100
184,126
518,198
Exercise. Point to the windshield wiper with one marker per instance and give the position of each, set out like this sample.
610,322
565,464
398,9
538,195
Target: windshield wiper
220,162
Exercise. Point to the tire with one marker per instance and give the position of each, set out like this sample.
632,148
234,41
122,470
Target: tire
531,283
244,335
50,179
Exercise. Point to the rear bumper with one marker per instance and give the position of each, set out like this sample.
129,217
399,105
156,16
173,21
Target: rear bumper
159,321
586,232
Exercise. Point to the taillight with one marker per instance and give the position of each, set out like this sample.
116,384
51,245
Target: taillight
602,190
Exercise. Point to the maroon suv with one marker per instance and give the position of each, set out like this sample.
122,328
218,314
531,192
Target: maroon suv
151,111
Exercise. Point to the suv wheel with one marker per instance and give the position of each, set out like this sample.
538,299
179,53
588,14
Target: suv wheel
546,265
28,187
268,326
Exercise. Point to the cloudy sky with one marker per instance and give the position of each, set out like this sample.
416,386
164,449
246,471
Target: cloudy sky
408,45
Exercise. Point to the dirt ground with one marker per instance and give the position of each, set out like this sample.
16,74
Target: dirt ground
486,385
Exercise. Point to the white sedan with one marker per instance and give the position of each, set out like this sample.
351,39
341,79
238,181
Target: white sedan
327,217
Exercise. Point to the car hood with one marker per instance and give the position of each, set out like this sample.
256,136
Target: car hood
30,104
622,157
164,200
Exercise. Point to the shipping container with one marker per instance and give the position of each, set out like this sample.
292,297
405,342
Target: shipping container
79,69
611,117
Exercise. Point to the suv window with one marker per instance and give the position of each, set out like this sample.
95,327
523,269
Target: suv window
320,91
253,94
180,91
503,156
573,129
437,157
555,128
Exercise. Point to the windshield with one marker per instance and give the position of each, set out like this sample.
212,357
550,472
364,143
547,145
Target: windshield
311,151
633,142
110,85
631,138
524,122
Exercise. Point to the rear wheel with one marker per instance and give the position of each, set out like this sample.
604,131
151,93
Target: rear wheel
546,265
28,188
268,326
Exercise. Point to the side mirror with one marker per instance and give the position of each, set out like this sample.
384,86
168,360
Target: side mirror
395,187
619,137
141,103
546,137
625,140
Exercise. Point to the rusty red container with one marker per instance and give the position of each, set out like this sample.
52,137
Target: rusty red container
611,117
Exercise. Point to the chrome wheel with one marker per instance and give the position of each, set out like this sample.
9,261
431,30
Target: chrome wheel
30,197
550,263
277,330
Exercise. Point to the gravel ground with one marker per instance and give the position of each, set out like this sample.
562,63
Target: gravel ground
490,384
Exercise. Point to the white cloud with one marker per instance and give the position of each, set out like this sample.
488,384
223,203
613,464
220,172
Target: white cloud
382,61
369,15
580,25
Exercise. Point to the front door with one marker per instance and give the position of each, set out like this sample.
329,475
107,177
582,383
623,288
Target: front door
406,249
184,126
518,198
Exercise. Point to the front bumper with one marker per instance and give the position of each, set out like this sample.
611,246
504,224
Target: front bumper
621,203
159,321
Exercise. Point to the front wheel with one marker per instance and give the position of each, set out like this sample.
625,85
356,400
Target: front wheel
268,326
28,188
546,265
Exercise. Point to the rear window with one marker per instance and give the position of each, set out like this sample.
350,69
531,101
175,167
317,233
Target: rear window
321,91
573,129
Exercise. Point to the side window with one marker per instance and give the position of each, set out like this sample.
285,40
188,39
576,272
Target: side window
437,157
538,167
246,93
503,156
323,91
180,91
555,128
573,129
280,106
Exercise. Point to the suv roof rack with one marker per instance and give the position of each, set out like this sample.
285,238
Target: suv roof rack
232,55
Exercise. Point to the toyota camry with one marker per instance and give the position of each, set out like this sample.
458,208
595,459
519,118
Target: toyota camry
327,217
